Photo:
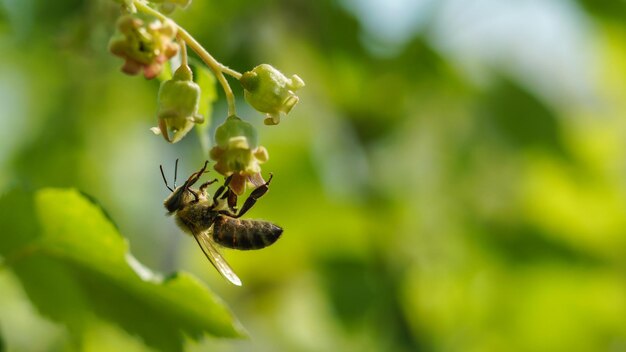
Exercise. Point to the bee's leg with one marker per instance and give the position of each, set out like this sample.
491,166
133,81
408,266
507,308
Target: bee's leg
221,190
252,198
196,175
232,200
203,169
205,185
195,195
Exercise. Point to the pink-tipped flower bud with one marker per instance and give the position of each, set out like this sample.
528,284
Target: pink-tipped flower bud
237,154
144,46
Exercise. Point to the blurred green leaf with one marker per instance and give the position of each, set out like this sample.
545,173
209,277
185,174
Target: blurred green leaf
363,291
206,81
525,243
521,119
606,8
78,264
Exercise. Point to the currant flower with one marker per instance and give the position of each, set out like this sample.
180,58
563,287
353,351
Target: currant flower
144,46
179,100
271,92
237,154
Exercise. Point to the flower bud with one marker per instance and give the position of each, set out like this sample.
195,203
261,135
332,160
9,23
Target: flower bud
270,92
237,154
144,46
179,100
235,127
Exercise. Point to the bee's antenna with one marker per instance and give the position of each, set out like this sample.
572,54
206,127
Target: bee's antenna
164,179
175,172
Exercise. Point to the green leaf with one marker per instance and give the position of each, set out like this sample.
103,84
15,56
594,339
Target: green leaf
207,82
521,119
74,265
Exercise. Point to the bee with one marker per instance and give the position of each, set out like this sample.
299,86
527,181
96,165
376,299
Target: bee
215,220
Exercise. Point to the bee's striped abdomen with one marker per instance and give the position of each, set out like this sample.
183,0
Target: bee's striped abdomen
244,234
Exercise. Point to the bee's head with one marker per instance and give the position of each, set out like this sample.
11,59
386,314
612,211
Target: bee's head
181,196
178,199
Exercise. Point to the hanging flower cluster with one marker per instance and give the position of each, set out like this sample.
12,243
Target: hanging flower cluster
144,45
147,39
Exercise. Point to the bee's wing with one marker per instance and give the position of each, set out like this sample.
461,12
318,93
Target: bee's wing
214,256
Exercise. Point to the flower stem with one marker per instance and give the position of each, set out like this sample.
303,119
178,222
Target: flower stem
229,71
183,52
216,67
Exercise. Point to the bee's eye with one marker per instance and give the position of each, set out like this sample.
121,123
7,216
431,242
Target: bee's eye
175,200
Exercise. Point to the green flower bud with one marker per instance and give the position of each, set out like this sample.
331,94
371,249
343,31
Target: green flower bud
179,100
237,154
235,127
144,46
270,92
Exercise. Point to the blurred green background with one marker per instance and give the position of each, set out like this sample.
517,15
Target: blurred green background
453,178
